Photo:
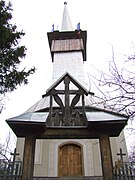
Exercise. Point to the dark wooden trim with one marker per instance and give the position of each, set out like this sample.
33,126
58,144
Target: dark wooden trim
106,157
67,99
28,158
53,91
68,35
92,130
81,90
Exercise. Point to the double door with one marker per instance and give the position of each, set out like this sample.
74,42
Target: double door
70,160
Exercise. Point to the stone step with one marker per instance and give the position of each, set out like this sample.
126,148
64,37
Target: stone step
69,178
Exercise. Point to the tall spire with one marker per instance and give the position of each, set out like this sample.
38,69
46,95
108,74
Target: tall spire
66,22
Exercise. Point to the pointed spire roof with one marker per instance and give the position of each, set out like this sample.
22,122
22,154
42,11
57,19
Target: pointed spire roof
66,22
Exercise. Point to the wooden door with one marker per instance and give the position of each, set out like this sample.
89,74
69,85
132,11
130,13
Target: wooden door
70,160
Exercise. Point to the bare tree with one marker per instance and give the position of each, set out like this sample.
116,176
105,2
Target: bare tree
7,147
117,87
132,153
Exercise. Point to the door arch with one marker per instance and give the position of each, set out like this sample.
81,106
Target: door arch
70,160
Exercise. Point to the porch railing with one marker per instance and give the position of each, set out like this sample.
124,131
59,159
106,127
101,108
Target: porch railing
13,171
10,170
124,171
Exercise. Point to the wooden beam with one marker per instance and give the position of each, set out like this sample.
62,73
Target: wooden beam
106,157
53,91
67,102
41,130
28,158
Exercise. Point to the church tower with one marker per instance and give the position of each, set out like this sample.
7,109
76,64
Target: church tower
68,133
68,49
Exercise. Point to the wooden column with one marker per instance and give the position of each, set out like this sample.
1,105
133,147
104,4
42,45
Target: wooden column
106,157
28,158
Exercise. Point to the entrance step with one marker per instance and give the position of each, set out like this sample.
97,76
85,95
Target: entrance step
69,178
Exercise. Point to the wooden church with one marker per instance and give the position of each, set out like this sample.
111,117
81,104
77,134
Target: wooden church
68,134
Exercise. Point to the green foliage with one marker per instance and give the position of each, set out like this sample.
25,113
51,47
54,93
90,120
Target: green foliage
11,53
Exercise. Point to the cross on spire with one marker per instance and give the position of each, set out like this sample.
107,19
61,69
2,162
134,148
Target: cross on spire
121,154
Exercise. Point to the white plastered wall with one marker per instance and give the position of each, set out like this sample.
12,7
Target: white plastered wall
87,156
71,62
46,154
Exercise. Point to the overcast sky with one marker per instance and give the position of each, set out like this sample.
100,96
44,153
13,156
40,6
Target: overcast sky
108,22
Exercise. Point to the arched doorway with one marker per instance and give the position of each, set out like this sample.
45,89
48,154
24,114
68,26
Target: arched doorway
70,160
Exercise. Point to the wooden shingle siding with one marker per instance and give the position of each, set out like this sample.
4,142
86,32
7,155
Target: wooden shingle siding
67,45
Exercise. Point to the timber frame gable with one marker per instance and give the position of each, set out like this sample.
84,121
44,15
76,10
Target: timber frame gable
66,114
